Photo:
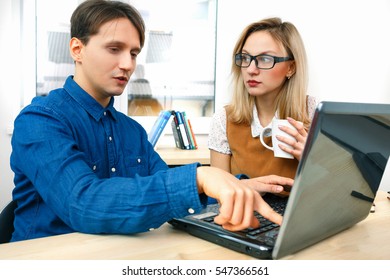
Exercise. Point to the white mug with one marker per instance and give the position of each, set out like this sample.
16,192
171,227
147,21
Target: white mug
275,142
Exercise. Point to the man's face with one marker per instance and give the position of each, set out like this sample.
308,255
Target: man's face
104,65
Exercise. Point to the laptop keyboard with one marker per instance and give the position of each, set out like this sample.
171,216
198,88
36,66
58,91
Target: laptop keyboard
278,205
266,225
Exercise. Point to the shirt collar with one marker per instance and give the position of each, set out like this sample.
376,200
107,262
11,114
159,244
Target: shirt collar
256,126
87,101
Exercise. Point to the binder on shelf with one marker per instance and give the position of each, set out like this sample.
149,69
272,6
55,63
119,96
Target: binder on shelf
188,131
193,135
176,133
182,130
158,126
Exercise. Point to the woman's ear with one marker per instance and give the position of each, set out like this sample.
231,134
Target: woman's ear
291,70
75,47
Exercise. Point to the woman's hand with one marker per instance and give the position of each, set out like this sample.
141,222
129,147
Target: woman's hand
300,136
270,184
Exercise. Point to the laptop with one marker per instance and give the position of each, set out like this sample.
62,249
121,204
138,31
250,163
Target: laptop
342,164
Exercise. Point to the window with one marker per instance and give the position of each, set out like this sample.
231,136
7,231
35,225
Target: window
53,61
175,70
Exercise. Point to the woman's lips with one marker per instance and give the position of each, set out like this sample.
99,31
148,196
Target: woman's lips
252,83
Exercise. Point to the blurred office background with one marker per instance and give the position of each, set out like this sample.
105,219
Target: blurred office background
185,64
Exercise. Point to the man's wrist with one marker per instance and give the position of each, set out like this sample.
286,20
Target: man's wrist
242,176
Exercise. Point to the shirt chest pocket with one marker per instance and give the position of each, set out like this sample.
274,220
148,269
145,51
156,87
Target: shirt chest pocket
135,165
98,167
123,166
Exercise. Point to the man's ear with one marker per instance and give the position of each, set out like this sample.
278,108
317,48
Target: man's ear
75,47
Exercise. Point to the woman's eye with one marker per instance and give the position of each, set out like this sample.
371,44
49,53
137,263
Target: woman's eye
265,59
246,58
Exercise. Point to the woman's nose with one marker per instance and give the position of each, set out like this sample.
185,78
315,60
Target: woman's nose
252,68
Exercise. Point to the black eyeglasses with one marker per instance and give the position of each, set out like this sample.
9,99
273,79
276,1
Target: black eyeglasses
262,61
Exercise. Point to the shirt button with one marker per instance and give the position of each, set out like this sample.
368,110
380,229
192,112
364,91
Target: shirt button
139,160
113,169
105,113
191,211
110,138
94,168
151,229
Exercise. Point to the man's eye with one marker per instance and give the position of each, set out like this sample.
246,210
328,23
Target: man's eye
113,49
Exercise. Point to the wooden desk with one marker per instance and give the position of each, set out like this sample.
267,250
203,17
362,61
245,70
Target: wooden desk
176,156
366,240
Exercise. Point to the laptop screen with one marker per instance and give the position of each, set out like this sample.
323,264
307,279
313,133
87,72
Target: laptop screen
339,174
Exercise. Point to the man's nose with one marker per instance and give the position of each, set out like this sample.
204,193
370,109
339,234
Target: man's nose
127,62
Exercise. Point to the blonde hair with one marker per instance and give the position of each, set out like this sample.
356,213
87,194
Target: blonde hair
291,101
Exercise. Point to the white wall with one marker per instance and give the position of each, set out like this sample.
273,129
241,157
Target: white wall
347,43
10,87
339,36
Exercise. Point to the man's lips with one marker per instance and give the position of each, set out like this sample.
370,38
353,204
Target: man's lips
122,80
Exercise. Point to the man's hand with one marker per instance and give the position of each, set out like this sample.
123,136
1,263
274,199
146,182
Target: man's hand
238,201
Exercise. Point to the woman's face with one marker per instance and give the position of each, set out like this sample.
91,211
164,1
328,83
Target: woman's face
261,82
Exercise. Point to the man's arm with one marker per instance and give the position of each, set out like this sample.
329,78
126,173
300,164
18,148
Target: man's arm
50,166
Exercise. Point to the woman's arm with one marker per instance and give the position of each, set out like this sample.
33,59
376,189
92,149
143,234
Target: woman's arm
220,160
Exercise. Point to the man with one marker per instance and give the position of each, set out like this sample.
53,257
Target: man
82,166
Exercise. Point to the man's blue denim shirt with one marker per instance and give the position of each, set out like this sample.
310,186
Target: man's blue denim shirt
81,167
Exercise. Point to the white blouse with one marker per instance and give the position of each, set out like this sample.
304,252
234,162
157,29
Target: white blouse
217,139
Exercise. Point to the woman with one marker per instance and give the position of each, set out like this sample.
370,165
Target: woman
269,72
